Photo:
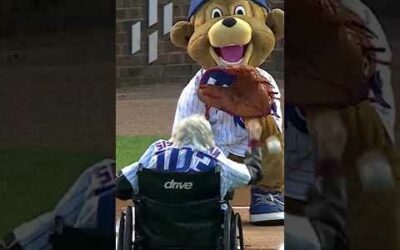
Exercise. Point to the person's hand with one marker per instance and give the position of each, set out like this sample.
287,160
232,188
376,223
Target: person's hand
253,163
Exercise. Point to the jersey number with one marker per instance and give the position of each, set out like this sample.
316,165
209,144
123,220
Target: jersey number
198,161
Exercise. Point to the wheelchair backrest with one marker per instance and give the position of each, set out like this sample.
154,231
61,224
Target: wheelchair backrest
179,187
178,210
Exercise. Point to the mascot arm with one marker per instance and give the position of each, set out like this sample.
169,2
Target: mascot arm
276,21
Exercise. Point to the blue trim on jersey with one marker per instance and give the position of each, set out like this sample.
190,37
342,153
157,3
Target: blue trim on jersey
188,160
274,110
206,167
106,207
376,85
238,121
215,152
218,77
173,159
160,161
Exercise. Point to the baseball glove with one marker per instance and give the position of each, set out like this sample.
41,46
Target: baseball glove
328,54
237,90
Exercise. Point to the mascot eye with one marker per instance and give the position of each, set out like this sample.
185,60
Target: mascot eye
239,10
216,13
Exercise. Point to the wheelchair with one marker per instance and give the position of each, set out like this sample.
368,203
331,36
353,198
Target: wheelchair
179,211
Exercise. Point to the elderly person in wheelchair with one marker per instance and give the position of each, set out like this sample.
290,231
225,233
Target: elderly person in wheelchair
181,189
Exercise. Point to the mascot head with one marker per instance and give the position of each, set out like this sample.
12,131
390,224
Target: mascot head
229,32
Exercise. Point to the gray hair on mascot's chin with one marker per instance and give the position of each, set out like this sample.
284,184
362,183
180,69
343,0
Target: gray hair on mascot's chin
194,131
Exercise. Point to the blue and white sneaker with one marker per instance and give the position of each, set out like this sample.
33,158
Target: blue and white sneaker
266,207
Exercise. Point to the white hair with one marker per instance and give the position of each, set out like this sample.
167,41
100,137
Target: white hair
194,131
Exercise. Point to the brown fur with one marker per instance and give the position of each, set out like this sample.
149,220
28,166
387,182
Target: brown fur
266,29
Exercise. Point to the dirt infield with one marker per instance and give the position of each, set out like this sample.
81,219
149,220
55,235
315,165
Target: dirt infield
146,110
149,110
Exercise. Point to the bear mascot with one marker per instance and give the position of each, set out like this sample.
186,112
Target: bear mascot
229,40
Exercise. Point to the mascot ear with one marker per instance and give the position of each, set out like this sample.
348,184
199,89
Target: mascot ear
276,21
181,33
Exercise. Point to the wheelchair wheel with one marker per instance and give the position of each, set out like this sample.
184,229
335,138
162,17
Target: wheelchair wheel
121,231
127,236
227,227
237,233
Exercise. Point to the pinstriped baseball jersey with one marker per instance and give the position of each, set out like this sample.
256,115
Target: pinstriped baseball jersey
162,155
299,164
229,131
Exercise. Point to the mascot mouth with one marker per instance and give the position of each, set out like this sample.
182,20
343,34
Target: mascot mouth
232,54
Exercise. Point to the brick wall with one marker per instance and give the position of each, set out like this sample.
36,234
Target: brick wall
22,18
173,64
57,75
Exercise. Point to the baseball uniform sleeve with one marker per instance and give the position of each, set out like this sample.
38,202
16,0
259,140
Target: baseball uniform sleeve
189,103
148,154
94,181
233,174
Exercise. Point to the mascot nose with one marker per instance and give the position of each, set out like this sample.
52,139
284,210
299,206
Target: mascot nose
229,22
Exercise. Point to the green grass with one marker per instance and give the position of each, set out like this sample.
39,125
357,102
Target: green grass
32,181
130,148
